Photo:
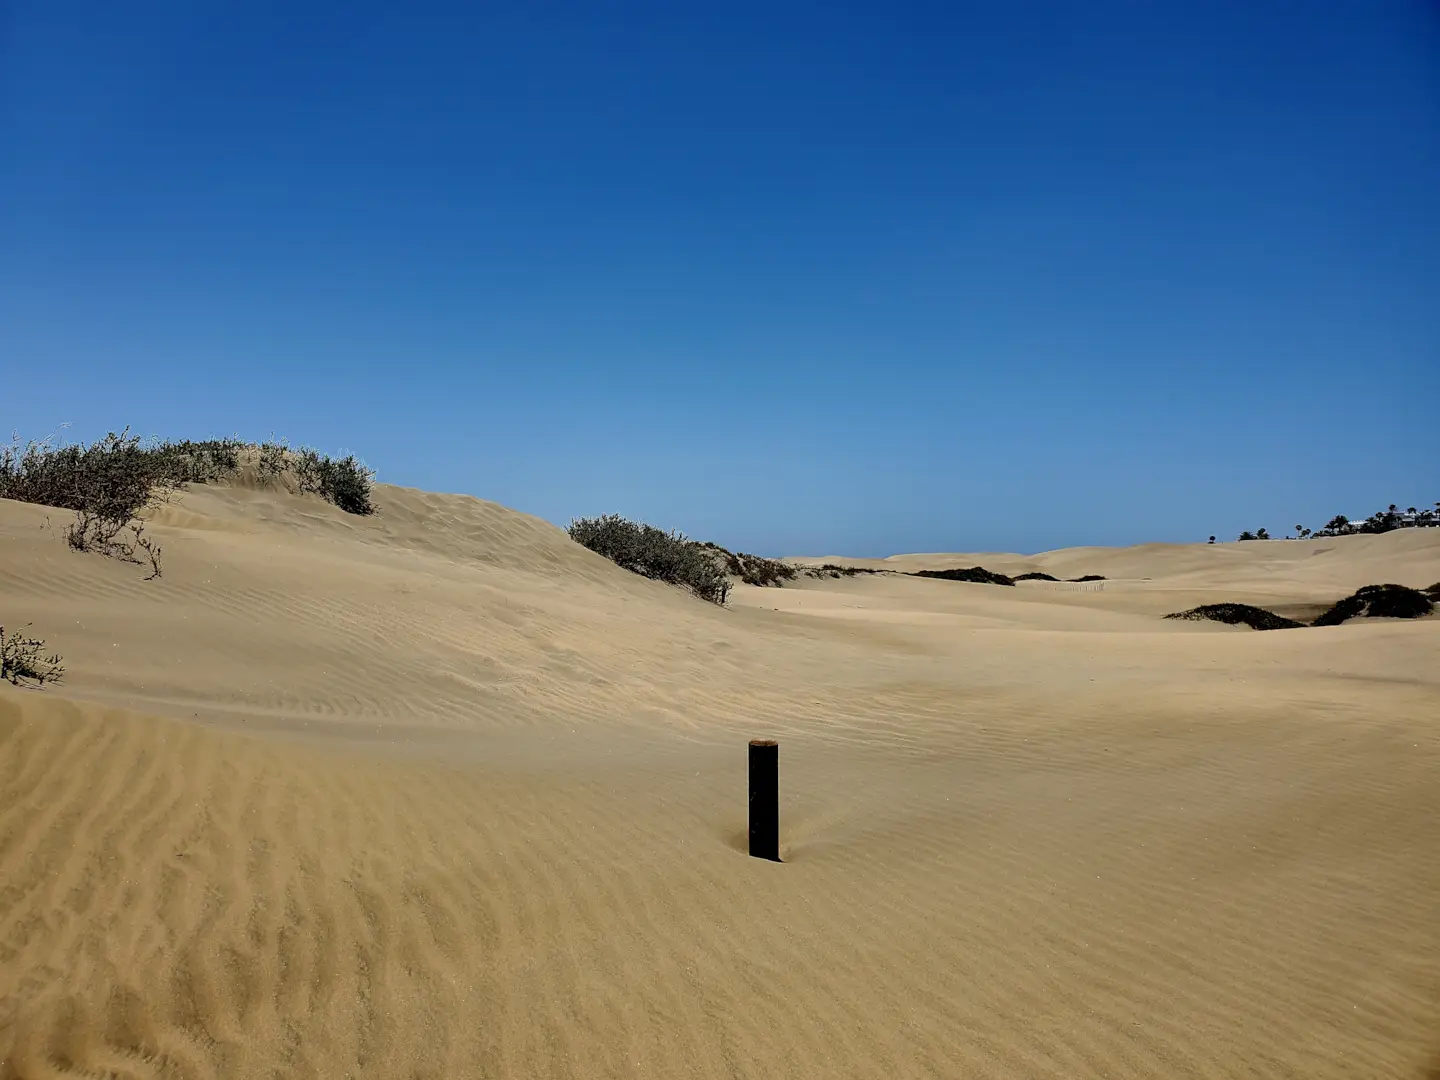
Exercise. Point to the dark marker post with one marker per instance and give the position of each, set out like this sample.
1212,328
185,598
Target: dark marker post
765,799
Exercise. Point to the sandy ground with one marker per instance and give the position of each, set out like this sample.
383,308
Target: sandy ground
440,794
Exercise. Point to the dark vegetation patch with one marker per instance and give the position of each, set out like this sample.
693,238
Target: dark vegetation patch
1036,575
1088,577
1379,602
976,574
1254,617
23,660
653,553
1433,591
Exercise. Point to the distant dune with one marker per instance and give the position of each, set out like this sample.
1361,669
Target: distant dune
439,793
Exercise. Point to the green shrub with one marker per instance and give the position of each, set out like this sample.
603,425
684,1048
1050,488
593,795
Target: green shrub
22,659
653,553
1036,575
1256,618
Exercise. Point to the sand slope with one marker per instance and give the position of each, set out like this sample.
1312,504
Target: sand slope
438,793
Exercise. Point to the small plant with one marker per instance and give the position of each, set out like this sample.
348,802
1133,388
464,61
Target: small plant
105,536
22,659
148,546
92,532
1037,575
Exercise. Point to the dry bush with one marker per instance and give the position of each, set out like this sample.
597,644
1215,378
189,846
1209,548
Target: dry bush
23,659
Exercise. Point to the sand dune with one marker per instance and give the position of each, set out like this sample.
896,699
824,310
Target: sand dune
440,794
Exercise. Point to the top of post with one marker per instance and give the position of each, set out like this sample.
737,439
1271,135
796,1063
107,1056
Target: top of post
763,742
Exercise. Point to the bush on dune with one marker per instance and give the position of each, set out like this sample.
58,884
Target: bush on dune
751,569
1379,602
1234,614
653,553
834,570
977,574
1036,575
110,483
120,475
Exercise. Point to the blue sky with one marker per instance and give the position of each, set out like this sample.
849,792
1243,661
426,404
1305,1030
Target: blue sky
798,278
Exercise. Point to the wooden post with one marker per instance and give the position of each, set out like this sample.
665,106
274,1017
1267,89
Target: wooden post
765,799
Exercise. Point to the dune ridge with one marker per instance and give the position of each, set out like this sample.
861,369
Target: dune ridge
440,793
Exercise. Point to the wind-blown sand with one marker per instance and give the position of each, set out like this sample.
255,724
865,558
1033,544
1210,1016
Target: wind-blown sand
440,794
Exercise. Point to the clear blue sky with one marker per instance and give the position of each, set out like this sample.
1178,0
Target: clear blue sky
799,278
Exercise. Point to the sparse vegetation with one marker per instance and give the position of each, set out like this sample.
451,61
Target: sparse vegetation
1256,618
834,570
120,475
1036,575
110,483
1379,602
655,554
107,536
752,569
1088,577
976,574
23,659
